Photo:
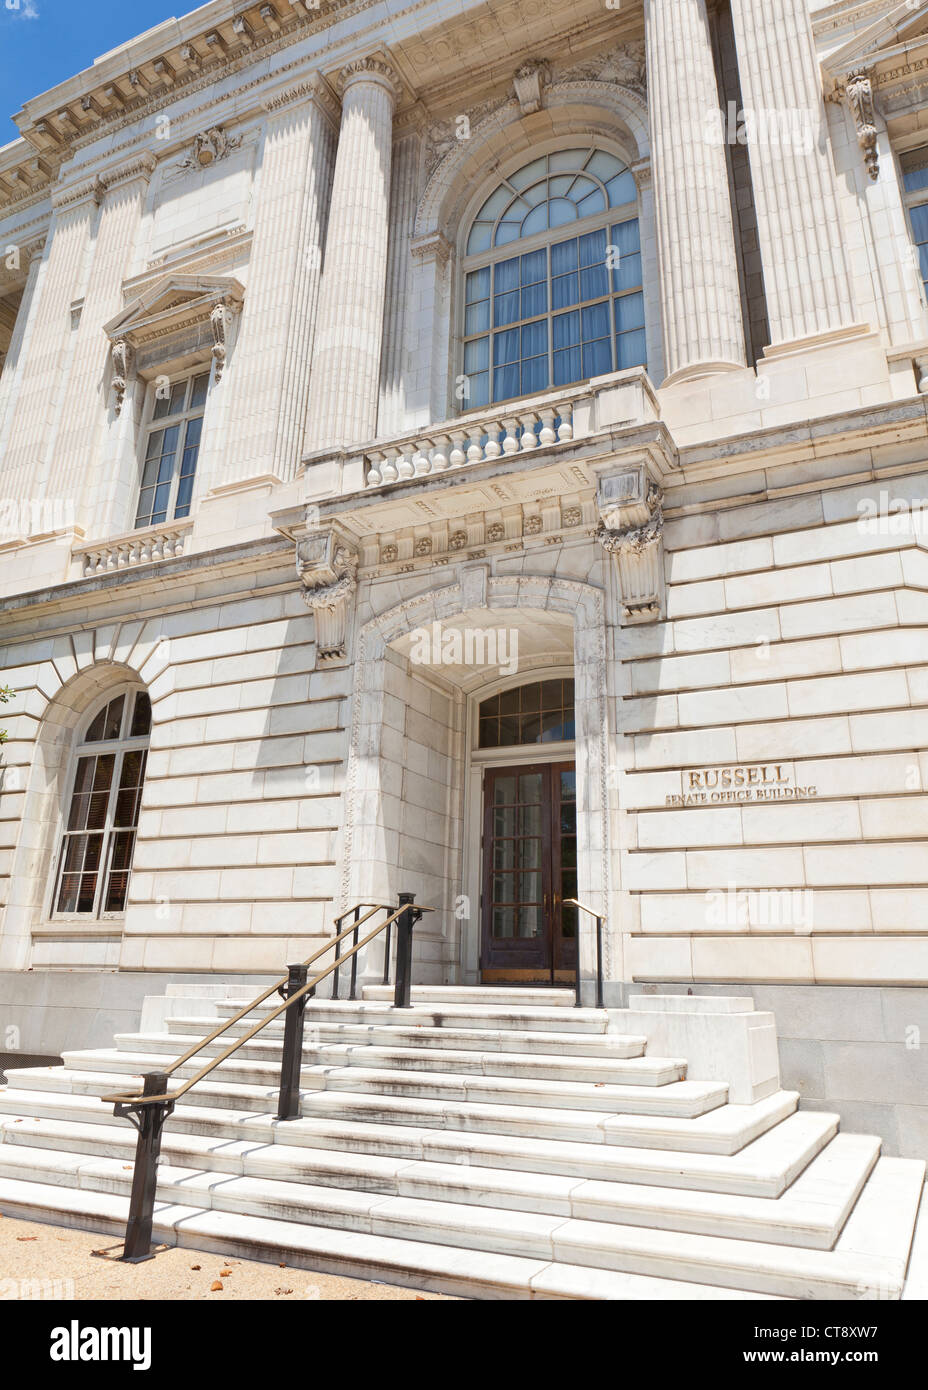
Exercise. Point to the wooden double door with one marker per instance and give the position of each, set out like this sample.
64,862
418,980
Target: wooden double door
529,932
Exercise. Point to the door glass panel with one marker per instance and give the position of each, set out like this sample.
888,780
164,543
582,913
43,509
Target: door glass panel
504,921
530,788
531,921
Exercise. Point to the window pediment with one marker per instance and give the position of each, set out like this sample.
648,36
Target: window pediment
180,314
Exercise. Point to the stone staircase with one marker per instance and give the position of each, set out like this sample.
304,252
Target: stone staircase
486,1142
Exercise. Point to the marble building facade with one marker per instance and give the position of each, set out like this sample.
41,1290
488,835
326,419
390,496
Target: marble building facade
358,507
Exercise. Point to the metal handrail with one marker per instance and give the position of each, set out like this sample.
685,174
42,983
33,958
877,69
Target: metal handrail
599,951
262,1023
149,1109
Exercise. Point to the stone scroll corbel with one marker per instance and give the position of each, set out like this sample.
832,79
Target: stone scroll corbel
631,530
122,355
327,566
858,92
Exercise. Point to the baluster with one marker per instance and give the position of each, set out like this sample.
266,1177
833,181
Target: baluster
491,448
457,457
547,434
374,475
440,454
475,450
421,460
404,464
529,438
390,470
566,427
510,443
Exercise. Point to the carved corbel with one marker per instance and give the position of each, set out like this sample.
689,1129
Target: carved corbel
328,566
218,321
631,529
530,80
858,92
122,367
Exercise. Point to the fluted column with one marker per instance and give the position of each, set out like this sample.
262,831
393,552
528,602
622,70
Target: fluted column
345,381
12,368
801,237
269,376
404,196
700,292
87,393
39,381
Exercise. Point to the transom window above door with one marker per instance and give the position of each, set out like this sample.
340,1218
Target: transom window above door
172,447
542,712
568,307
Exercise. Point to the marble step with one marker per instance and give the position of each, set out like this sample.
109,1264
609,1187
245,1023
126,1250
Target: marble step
874,1258
764,1167
510,1018
811,1213
632,1071
680,1098
725,1129
616,1045
413,1264
517,996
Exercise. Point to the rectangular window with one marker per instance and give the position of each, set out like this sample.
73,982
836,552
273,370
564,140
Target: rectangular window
556,316
171,450
914,168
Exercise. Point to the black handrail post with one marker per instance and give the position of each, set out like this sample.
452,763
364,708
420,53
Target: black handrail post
338,956
288,1105
387,942
353,991
149,1121
599,962
404,924
577,999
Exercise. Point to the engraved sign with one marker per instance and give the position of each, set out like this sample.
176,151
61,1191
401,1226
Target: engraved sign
738,784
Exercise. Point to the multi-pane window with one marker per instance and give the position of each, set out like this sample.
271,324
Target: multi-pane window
171,449
566,309
542,712
914,167
103,811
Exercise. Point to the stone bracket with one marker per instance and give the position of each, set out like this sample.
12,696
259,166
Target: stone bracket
631,530
858,92
327,566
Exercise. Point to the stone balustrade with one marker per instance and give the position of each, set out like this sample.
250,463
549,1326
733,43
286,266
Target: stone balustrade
139,548
477,439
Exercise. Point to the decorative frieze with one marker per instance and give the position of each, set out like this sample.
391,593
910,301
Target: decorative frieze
327,566
631,529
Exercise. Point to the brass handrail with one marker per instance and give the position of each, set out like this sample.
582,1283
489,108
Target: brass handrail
599,951
140,1099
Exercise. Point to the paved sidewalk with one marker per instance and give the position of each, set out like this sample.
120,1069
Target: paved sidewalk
56,1262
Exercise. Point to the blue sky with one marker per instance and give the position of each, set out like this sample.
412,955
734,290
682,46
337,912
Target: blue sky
43,42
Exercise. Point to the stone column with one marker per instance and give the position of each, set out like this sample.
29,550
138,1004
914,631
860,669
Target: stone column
86,407
404,196
20,340
38,385
269,375
344,386
700,292
800,230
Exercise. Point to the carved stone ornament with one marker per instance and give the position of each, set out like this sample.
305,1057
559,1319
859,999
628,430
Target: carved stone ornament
219,320
328,566
121,352
858,91
208,147
530,80
631,529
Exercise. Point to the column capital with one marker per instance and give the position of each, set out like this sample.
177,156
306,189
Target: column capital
373,68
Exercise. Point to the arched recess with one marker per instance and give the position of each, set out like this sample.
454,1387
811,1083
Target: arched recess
603,111
379,856
47,793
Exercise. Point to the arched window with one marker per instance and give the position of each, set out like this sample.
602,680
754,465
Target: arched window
103,808
568,306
